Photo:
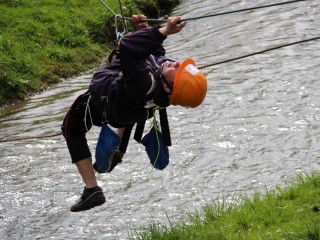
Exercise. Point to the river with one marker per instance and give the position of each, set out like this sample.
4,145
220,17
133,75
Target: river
257,128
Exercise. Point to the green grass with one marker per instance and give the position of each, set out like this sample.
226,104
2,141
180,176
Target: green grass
42,42
292,213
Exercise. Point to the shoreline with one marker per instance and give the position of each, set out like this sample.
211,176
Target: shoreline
292,212
44,43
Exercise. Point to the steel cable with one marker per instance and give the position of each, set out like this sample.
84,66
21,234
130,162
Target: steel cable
206,16
262,51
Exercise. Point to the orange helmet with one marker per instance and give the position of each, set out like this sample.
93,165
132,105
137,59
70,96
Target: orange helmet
190,85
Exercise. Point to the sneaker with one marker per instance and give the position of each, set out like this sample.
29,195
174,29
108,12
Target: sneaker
115,159
90,198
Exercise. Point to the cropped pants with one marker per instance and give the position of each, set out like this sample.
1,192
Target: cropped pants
78,121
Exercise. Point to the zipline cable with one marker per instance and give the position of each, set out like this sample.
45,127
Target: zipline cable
31,137
207,16
262,51
242,10
104,4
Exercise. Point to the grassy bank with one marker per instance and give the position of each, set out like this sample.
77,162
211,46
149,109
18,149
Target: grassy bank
42,42
290,213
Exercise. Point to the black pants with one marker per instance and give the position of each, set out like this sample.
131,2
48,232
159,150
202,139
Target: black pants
78,121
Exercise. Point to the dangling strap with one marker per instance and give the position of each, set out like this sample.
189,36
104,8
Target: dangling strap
165,126
140,128
125,138
139,131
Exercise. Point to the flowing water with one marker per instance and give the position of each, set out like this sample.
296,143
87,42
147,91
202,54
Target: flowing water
257,128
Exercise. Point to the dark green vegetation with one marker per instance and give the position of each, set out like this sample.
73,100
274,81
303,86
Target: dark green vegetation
292,213
42,42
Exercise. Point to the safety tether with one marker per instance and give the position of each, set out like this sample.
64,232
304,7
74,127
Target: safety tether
114,53
124,23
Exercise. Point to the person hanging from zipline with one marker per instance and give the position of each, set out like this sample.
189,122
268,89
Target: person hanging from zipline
126,92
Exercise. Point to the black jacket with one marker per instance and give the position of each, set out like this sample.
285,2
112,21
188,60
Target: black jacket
123,92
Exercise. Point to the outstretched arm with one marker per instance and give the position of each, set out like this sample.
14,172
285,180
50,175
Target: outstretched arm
174,25
135,48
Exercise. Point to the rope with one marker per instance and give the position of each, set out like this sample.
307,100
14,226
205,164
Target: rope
260,52
206,16
243,10
104,4
124,23
30,137
156,129
85,114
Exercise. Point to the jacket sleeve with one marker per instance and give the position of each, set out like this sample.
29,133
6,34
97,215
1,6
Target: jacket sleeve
136,48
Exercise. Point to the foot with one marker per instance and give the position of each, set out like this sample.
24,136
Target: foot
90,198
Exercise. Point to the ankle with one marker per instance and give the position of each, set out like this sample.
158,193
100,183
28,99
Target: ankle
91,187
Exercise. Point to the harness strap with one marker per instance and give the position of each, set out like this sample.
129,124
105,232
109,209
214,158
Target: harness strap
125,138
165,126
139,131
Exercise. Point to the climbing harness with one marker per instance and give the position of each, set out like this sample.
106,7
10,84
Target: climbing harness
163,114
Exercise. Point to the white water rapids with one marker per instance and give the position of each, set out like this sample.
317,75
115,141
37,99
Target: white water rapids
257,128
